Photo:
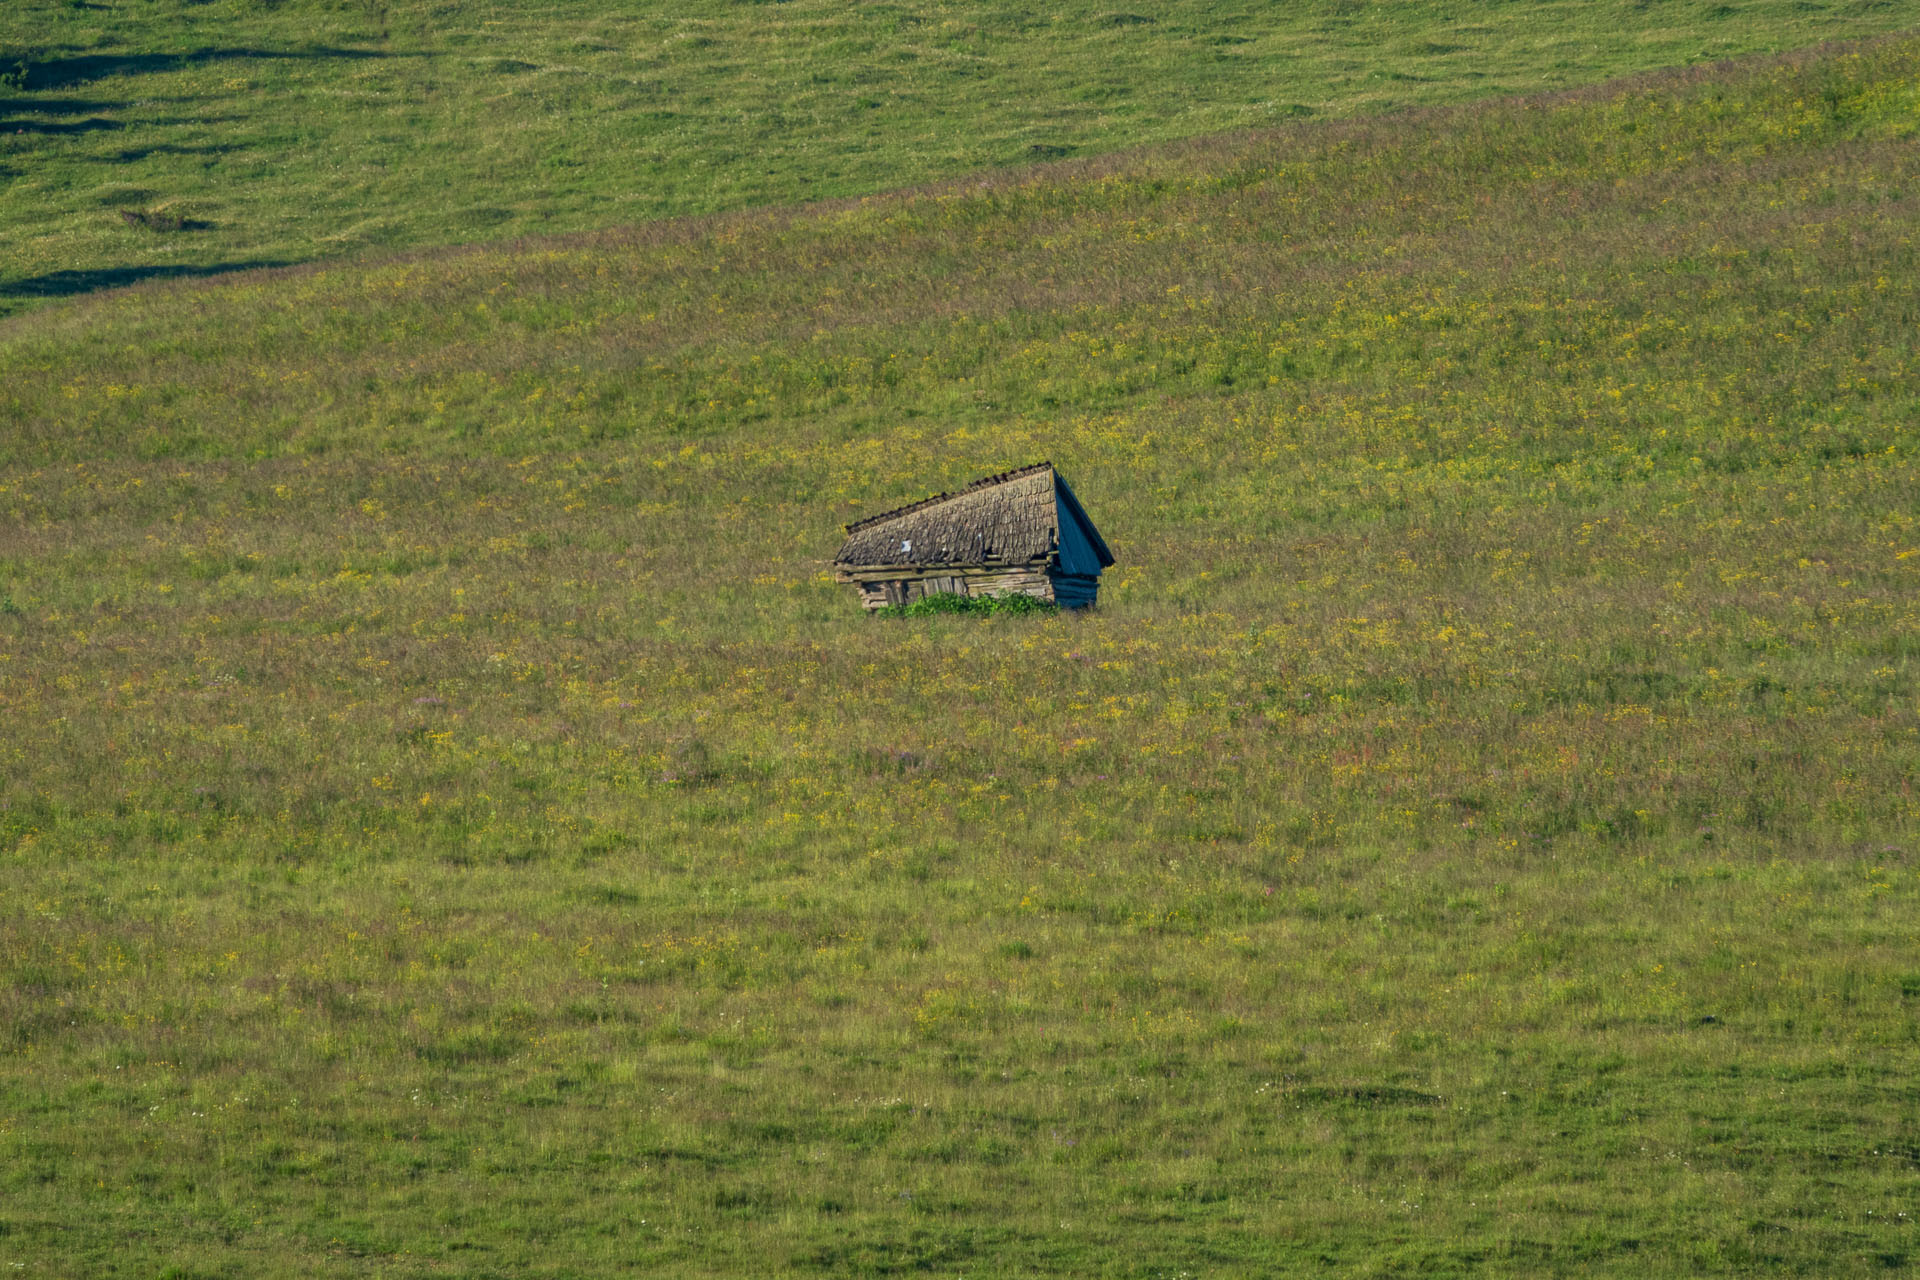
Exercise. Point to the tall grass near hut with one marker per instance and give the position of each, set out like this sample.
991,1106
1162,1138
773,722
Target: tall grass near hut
453,823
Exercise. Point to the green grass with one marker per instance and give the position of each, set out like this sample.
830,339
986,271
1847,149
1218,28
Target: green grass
452,823
989,606
311,129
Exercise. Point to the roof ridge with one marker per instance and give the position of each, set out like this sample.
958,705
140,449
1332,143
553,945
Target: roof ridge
985,482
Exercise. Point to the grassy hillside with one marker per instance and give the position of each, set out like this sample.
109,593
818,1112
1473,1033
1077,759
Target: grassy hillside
259,133
452,824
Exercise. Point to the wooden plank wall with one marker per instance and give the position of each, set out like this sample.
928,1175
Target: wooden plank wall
1075,590
895,586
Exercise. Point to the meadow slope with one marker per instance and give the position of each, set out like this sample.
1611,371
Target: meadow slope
453,825
263,132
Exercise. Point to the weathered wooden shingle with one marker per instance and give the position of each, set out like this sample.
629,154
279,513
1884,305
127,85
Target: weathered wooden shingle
1011,518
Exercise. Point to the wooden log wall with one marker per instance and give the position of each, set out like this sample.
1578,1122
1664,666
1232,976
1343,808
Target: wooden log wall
886,585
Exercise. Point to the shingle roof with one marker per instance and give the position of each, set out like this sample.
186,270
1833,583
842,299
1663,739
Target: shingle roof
1010,518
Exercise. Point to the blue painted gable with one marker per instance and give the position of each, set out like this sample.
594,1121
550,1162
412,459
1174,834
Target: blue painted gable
1076,549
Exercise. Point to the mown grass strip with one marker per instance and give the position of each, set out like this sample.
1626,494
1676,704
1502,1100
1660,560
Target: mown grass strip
242,135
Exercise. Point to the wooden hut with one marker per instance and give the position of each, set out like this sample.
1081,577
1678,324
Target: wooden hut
1020,532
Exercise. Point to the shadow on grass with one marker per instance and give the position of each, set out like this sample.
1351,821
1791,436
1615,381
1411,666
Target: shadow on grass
65,284
93,124
158,220
57,106
60,73
132,154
